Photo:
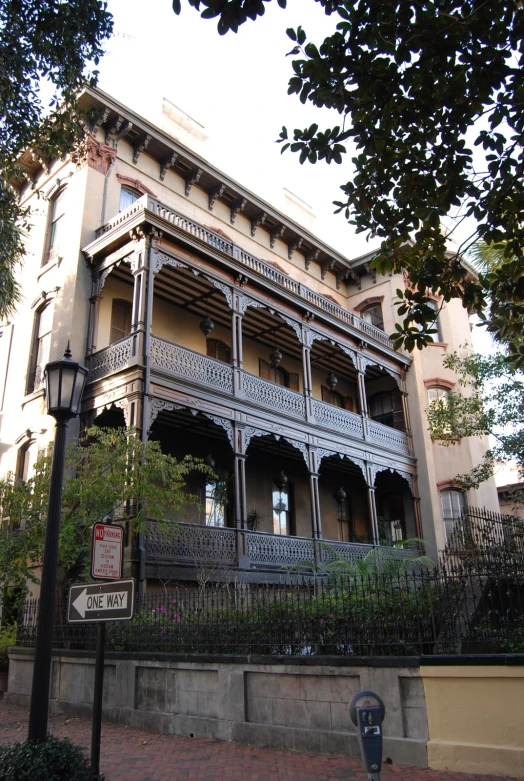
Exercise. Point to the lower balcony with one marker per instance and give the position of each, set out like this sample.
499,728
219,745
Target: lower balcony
223,552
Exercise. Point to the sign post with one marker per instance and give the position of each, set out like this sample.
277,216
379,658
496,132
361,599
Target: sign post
108,549
100,603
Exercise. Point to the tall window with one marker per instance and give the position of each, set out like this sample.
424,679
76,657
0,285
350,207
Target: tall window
280,509
22,461
386,408
127,197
373,314
120,319
435,307
40,348
345,521
437,393
215,504
55,225
453,505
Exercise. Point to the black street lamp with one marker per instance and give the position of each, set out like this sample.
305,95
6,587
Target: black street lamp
65,382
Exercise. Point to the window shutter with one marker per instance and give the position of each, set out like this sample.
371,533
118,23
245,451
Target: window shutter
293,381
327,396
211,348
349,403
398,412
263,369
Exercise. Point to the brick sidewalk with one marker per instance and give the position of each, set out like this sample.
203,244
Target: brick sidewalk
132,755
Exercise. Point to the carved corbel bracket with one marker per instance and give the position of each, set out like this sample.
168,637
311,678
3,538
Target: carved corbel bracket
313,255
166,164
257,222
191,179
236,207
292,246
99,119
351,274
113,128
327,267
371,271
140,146
276,233
214,194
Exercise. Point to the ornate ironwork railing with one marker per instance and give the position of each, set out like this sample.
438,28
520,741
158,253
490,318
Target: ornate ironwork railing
257,265
109,360
274,396
276,550
191,365
338,419
192,544
388,437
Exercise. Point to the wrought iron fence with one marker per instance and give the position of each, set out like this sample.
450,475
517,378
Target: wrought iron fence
409,613
485,539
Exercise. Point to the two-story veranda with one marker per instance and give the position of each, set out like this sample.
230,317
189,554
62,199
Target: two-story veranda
299,405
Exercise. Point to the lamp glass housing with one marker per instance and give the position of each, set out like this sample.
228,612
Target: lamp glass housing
65,382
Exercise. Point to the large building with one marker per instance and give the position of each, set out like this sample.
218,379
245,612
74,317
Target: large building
221,327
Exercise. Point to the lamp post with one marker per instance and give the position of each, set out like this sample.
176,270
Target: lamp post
65,381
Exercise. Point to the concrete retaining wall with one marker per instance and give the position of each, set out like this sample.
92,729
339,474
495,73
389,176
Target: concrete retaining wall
285,703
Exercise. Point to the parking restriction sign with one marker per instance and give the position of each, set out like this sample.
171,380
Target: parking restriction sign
108,549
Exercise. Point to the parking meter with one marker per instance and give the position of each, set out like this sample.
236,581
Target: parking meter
367,711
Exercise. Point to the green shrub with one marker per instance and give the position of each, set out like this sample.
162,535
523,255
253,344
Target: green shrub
54,760
7,639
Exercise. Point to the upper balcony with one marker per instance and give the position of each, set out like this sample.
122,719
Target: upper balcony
266,368
167,218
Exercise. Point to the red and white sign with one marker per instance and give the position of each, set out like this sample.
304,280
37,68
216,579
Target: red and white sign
108,548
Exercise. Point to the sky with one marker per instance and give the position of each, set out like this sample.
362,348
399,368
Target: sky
236,87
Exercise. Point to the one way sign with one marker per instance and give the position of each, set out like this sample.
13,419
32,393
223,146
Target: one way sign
101,602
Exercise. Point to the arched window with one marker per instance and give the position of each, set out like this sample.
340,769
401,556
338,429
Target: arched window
120,319
40,347
279,376
219,350
22,461
435,393
127,197
55,226
337,399
453,505
373,314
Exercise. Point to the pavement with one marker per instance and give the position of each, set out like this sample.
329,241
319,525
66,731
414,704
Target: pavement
133,755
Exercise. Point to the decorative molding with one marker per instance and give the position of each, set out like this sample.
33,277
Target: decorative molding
44,297
312,255
99,120
442,485
237,206
140,147
351,274
166,164
226,425
192,178
352,354
293,246
226,290
159,259
376,468
215,194
258,222
158,405
246,301
297,328
369,301
324,453
94,154
276,233
439,382
136,184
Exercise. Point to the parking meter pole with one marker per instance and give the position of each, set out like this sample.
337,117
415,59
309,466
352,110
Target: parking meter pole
374,776
97,701
367,713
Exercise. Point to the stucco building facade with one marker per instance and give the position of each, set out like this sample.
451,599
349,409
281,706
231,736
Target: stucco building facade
221,327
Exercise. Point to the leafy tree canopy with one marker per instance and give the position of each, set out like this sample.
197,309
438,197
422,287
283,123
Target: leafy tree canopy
42,43
418,87
489,401
115,474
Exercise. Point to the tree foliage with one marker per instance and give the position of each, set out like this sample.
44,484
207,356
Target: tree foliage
112,473
489,401
43,43
429,93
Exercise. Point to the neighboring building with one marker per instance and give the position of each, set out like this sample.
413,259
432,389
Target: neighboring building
510,490
222,328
